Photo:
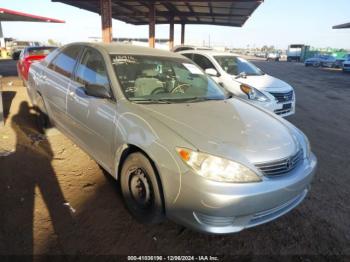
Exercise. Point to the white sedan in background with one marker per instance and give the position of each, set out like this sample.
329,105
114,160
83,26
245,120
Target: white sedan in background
245,80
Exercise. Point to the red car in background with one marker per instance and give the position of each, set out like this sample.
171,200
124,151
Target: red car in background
29,55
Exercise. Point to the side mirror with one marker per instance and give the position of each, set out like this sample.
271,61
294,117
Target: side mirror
211,72
97,91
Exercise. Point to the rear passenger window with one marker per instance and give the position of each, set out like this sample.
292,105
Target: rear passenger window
203,62
65,61
188,55
92,70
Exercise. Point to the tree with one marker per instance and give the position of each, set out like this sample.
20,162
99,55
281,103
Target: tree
53,42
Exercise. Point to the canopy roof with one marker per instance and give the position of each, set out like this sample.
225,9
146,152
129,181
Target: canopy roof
347,25
7,15
213,12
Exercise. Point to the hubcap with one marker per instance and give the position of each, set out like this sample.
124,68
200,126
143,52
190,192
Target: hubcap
140,187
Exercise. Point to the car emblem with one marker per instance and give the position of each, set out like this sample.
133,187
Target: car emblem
289,164
286,97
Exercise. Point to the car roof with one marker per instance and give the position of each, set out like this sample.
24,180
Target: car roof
120,49
191,47
208,52
39,47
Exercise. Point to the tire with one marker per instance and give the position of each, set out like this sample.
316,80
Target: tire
141,190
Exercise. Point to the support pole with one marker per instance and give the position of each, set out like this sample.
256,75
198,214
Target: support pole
152,25
171,33
1,106
106,20
2,43
182,34
2,39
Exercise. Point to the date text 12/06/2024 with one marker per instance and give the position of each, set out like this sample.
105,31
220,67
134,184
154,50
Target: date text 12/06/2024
173,258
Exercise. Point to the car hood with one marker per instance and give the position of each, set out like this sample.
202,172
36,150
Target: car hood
229,128
265,82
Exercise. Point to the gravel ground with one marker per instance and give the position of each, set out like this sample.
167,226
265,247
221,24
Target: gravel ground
55,200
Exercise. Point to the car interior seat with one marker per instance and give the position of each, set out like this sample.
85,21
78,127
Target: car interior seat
148,82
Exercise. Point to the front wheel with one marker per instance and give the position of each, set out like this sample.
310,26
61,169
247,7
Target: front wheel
141,189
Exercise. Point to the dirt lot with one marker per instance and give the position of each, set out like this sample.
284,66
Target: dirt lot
54,199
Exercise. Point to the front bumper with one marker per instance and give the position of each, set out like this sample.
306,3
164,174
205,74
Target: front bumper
279,108
222,208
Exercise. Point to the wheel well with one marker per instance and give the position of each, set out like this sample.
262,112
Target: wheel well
133,149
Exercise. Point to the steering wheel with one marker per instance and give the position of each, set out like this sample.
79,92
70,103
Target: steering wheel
180,88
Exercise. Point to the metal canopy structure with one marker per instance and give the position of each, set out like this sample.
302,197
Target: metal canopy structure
7,15
225,13
151,12
342,26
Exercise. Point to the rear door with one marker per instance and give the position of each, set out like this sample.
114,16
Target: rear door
56,80
92,118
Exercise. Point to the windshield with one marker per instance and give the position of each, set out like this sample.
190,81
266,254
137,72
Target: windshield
157,79
235,65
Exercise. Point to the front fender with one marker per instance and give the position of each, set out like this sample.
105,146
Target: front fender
158,142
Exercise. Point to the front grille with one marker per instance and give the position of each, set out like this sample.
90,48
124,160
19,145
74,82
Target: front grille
280,167
268,215
283,97
282,111
213,220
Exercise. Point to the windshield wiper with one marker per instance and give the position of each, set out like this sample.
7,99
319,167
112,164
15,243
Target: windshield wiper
196,99
151,101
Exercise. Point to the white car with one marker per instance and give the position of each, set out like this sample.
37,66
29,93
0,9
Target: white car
245,80
346,65
274,56
179,48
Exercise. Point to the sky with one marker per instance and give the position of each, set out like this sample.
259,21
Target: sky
276,22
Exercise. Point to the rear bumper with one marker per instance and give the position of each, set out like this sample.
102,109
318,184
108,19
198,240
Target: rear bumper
222,208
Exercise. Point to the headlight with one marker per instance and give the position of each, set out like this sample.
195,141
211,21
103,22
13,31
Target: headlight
304,143
307,148
254,94
217,168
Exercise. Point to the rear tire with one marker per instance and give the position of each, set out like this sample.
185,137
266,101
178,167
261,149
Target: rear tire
141,189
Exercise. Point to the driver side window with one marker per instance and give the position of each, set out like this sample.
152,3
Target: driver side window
92,70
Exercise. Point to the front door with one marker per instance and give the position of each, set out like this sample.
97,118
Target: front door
55,81
92,118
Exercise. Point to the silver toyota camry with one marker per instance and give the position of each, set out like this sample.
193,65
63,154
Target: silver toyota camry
180,145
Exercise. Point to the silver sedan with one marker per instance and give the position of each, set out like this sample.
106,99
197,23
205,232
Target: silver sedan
180,145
